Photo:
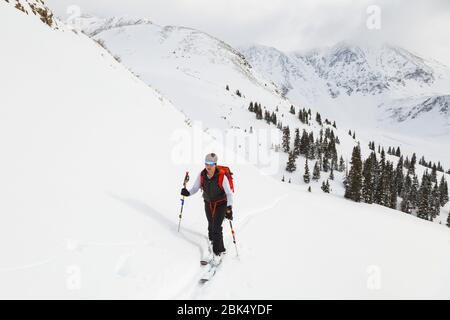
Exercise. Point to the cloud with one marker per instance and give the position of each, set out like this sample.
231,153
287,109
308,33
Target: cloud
420,26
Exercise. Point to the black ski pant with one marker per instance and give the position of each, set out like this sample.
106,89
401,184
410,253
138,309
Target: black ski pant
215,219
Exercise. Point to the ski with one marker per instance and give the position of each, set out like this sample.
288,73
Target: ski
207,276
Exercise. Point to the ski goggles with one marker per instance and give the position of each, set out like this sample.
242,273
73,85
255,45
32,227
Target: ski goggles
210,163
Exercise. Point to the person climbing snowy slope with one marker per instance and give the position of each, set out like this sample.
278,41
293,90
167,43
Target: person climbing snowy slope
217,185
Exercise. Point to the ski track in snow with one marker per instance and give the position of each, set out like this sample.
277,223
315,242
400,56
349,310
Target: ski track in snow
194,289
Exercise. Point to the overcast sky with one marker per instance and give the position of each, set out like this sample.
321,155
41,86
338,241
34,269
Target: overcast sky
422,26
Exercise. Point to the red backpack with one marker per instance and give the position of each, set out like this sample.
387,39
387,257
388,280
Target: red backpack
223,171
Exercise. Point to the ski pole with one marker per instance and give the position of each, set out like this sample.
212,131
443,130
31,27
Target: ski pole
234,238
186,179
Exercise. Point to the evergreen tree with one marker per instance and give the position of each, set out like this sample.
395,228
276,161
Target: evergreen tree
405,205
435,206
353,190
292,110
286,139
297,142
399,176
250,107
443,192
424,203
325,164
393,188
325,187
412,165
341,164
291,166
368,189
414,193
448,220
434,174
318,118
306,175
381,181
316,171
304,143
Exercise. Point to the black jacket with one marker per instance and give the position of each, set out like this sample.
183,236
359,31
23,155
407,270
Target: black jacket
211,190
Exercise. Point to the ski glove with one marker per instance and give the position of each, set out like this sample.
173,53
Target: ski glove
185,192
229,213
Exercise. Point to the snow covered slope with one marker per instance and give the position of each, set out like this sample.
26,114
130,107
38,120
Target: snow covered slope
191,68
326,248
350,69
92,163
36,9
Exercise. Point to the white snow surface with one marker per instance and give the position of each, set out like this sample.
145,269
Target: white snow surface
91,175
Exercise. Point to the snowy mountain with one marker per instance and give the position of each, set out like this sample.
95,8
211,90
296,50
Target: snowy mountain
189,67
92,163
383,92
349,69
192,69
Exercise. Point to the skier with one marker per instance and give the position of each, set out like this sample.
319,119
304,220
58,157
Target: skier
216,184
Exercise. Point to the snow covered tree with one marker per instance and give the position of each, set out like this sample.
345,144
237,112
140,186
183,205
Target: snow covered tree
325,164
399,176
368,189
414,193
448,220
405,205
341,164
424,203
291,166
316,171
412,165
297,142
292,110
306,175
443,192
286,139
325,187
318,118
435,206
353,189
